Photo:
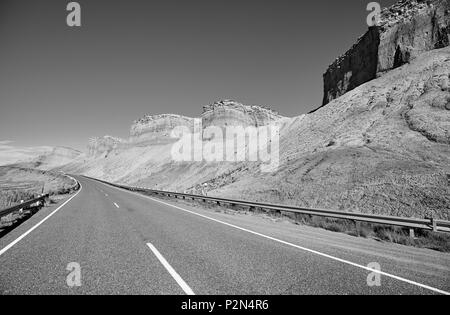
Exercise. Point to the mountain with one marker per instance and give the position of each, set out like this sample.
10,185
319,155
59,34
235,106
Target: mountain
379,143
383,148
145,158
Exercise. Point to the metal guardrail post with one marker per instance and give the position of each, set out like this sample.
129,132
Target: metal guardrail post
358,227
434,224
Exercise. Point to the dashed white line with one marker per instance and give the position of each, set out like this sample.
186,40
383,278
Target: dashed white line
117,206
17,240
424,286
172,271
311,251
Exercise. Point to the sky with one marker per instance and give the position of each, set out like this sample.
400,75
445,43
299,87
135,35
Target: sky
60,86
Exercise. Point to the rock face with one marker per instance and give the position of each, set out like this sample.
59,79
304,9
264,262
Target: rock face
102,146
405,30
381,148
231,113
355,67
157,129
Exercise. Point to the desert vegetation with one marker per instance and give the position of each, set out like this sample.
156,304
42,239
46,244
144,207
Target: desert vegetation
438,241
18,184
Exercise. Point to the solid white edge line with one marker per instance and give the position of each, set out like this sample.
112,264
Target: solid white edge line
171,271
17,240
296,246
314,252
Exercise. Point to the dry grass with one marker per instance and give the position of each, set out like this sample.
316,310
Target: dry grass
423,239
18,184
11,197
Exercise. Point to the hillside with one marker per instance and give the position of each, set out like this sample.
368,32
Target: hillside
54,158
10,154
384,148
379,144
145,158
24,184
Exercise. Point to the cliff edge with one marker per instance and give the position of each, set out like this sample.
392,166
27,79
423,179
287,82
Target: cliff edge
406,30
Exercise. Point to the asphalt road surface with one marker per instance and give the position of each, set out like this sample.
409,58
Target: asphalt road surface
126,243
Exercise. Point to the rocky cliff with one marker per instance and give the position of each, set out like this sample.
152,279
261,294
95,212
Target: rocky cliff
405,31
157,128
382,148
231,113
146,157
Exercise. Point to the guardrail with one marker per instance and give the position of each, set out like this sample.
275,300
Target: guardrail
430,224
24,205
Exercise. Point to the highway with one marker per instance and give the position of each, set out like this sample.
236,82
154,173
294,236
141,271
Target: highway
126,243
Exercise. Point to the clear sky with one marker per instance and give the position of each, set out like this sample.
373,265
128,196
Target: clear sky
61,85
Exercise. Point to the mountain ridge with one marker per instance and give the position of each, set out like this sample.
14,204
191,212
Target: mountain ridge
380,145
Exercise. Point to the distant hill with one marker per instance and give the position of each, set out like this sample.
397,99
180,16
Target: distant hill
47,159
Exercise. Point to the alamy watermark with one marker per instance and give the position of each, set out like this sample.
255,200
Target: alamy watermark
74,17
228,144
73,279
374,278
373,19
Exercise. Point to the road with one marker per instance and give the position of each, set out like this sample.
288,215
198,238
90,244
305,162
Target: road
126,243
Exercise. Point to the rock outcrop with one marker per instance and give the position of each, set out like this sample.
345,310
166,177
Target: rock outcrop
405,31
381,148
102,146
231,113
157,128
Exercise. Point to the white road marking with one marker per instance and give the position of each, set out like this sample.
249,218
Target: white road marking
17,240
172,271
424,286
117,206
